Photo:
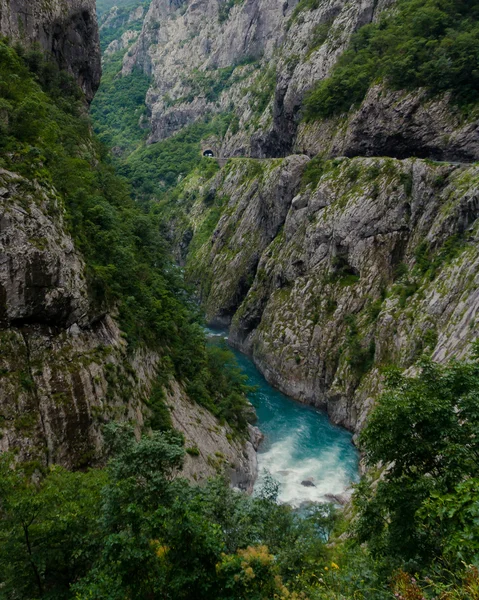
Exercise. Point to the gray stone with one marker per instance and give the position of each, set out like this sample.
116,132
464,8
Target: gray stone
289,280
65,29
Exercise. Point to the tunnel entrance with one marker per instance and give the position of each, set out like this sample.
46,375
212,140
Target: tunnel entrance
208,153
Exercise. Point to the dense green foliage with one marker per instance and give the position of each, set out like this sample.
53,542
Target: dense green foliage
119,106
422,513
113,26
118,109
422,43
46,137
155,168
103,6
134,531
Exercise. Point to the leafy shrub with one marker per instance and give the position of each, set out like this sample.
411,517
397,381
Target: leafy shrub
119,106
156,168
431,44
134,530
425,429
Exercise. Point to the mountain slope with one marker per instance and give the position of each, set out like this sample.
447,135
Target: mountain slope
328,270
96,324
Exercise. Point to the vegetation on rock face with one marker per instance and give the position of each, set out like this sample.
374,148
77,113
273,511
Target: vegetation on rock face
134,530
103,6
155,168
119,107
114,25
119,118
432,44
46,137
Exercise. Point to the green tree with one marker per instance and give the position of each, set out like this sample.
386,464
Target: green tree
425,432
48,529
431,44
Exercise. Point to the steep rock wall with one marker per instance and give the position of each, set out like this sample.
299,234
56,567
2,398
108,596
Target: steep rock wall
255,58
65,29
65,369
374,261
397,124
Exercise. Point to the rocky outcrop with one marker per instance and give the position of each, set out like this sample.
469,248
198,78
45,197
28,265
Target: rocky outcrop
125,22
256,61
397,124
65,29
65,369
256,58
256,196
370,264
212,447
41,274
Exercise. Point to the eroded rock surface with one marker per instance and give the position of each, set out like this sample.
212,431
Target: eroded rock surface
64,366
373,264
65,29
397,124
256,58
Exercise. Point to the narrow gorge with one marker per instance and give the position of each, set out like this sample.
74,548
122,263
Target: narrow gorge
239,252
334,244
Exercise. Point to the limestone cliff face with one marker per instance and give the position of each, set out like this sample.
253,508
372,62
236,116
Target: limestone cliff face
65,368
263,54
65,29
398,124
256,59
63,365
370,264
325,282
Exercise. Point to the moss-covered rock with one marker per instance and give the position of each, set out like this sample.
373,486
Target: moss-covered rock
368,263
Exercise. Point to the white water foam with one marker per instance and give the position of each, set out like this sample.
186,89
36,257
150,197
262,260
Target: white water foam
300,444
324,471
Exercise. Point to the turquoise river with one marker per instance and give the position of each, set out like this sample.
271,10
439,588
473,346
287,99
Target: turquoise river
300,443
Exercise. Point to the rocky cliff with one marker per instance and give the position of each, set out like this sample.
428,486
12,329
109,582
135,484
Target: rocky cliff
329,272
65,29
254,57
256,60
66,367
